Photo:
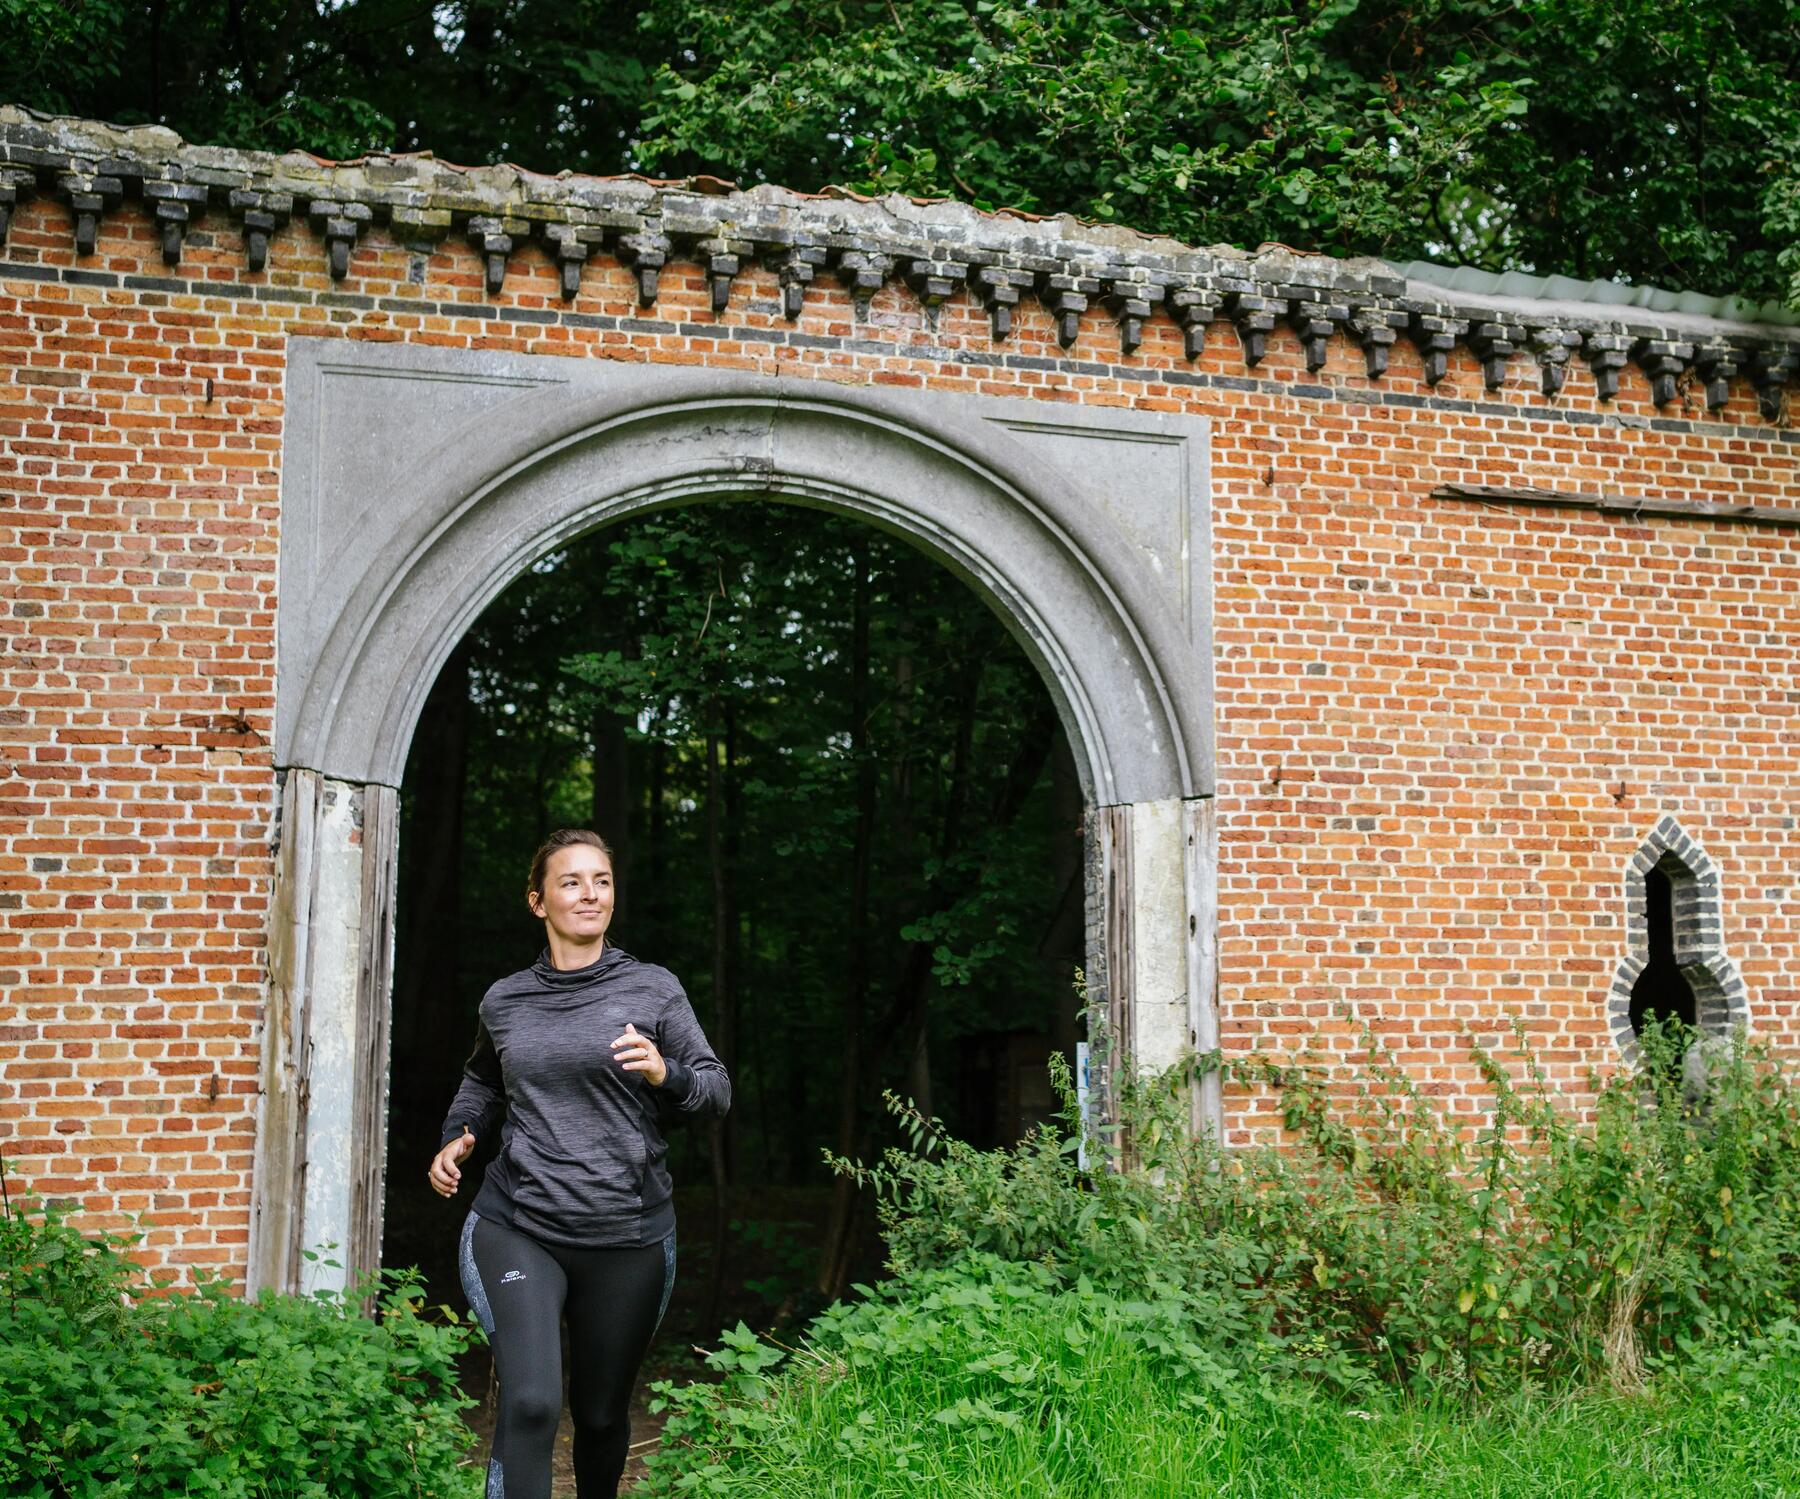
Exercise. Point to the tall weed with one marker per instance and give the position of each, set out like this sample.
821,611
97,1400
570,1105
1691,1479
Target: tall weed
1386,1241
1542,1245
1316,1318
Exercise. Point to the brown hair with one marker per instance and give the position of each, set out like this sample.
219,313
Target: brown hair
562,838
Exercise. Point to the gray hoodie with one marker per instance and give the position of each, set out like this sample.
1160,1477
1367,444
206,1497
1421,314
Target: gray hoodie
581,1157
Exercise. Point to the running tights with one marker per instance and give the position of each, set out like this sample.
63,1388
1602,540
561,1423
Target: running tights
520,1289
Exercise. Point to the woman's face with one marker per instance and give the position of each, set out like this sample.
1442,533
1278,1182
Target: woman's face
577,899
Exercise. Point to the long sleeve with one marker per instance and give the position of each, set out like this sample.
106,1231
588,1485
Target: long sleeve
697,1082
480,1101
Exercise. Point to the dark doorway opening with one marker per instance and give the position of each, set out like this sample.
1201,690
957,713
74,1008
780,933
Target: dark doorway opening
844,814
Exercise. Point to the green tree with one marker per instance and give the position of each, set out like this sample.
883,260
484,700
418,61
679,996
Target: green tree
1605,138
549,85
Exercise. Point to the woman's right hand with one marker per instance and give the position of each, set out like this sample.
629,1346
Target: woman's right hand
445,1175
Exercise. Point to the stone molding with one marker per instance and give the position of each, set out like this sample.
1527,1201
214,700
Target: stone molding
934,248
363,631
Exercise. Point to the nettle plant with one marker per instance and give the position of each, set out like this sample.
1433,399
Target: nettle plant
1540,1245
111,1386
1388,1242
1385,1245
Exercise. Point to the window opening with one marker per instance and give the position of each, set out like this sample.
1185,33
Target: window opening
1674,966
1661,992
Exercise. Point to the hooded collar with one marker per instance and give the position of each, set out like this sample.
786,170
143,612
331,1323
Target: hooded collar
549,976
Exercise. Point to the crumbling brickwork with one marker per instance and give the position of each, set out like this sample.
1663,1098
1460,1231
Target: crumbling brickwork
1446,722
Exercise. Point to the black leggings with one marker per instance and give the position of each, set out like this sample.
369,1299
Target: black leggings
519,1289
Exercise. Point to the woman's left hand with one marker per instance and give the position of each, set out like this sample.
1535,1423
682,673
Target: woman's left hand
640,1055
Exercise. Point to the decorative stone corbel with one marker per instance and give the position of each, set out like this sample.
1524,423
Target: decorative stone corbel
1715,363
934,282
1253,315
338,224
1664,361
1494,344
89,197
863,273
1606,356
1067,298
15,188
999,288
1314,321
494,238
1376,326
1551,347
1131,301
795,264
174,203
1193,307
1770,369
644,254
262,215
1434,334
723,258
570,246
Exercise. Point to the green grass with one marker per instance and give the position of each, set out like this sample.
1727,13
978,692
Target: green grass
1068,1402
1648,1445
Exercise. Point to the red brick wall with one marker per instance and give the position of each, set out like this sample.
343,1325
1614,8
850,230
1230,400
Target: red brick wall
1443,727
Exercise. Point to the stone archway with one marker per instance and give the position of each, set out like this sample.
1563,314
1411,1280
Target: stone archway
417,486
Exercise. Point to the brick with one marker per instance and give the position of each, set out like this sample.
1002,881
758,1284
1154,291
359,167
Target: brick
1443,729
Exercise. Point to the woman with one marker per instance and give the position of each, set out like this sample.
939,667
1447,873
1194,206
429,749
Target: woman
575,1216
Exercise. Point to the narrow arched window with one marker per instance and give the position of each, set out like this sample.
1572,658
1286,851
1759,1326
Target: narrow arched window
1674,967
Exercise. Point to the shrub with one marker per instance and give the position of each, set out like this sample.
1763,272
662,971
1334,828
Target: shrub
1543,1245
112,1387
1388,1242
1171,1214
1225,1303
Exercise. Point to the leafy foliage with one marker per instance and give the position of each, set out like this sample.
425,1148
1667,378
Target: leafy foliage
1607,138
552,85
1236,122
1603,138
1383,1242
1385,1253
110,1387
1544,1246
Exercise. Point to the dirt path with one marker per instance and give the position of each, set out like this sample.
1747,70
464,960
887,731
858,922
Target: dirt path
645,1430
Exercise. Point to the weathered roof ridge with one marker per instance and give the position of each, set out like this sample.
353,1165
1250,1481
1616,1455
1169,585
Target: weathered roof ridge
934,246
1527,286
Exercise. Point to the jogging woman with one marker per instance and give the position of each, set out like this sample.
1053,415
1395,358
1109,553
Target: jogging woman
575,1217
